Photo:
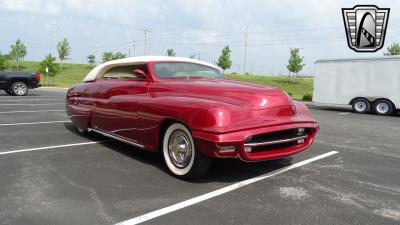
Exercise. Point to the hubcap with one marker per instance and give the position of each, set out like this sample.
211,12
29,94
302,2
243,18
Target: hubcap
382,108
179,148
360,106
20,89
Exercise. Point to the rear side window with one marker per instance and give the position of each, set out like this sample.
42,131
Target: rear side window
125,72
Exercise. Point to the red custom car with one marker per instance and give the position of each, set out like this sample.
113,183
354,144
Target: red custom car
188,111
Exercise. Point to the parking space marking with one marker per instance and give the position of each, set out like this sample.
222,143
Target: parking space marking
33,123
14,104
49,147
33,111
38,99
201,198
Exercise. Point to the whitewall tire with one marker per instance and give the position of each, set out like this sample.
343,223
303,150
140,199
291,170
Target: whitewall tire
180,153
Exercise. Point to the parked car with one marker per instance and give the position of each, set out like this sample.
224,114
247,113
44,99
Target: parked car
188,111
18,83
367,84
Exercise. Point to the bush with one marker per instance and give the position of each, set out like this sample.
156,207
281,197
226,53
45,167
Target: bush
49,62
290,94
307,97
3,63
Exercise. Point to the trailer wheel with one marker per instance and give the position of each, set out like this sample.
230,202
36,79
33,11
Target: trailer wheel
361,105
383,107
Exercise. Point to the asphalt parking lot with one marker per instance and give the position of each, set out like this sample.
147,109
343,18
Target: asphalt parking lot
49,174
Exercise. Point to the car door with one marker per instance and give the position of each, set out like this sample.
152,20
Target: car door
116,107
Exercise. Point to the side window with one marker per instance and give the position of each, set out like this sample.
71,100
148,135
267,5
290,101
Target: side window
125,72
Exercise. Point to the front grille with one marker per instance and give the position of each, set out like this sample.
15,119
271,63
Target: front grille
277,140
273,147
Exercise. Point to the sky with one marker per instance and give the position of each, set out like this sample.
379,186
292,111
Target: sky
189,27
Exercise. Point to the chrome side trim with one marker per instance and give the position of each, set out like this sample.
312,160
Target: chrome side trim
116,138
275,142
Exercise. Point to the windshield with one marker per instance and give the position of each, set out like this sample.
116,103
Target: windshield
185,70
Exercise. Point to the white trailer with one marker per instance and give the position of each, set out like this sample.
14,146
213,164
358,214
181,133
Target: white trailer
368,84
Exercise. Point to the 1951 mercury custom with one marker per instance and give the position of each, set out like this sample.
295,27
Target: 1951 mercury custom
186,109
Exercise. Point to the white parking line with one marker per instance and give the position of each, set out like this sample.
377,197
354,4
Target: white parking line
201,198
32,104
51,110
33,123
49,147
27,99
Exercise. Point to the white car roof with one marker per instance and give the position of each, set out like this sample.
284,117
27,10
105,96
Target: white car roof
98,70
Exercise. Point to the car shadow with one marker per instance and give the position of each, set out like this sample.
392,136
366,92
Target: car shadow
222,170
4,94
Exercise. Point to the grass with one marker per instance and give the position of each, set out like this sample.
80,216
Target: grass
296,87
74,73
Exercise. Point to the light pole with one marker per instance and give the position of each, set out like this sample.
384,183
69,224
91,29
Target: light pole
47,76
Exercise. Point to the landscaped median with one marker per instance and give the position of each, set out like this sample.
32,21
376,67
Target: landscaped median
298,88
74,73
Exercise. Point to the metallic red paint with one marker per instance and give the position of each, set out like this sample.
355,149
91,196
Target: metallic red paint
218,112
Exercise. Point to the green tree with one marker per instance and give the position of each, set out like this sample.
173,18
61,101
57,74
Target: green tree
3,62
170,52
49,62
295,62
108,56
393,49
224,61
64,50
91,59
119,55
18,51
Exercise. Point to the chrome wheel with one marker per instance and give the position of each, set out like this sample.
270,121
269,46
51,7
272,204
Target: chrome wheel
360,106
180,148
382,108
181,157
19,88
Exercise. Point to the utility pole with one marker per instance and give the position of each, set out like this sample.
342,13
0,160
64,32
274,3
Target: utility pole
55,31
245,50
134,45
145,40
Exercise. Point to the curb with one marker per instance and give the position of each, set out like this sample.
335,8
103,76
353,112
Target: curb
53,88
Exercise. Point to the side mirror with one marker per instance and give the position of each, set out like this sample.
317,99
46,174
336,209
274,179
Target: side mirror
140,73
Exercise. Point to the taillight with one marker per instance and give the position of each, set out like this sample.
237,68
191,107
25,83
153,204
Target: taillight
38,76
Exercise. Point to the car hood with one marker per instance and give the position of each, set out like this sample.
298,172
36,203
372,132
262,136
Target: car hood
241,94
